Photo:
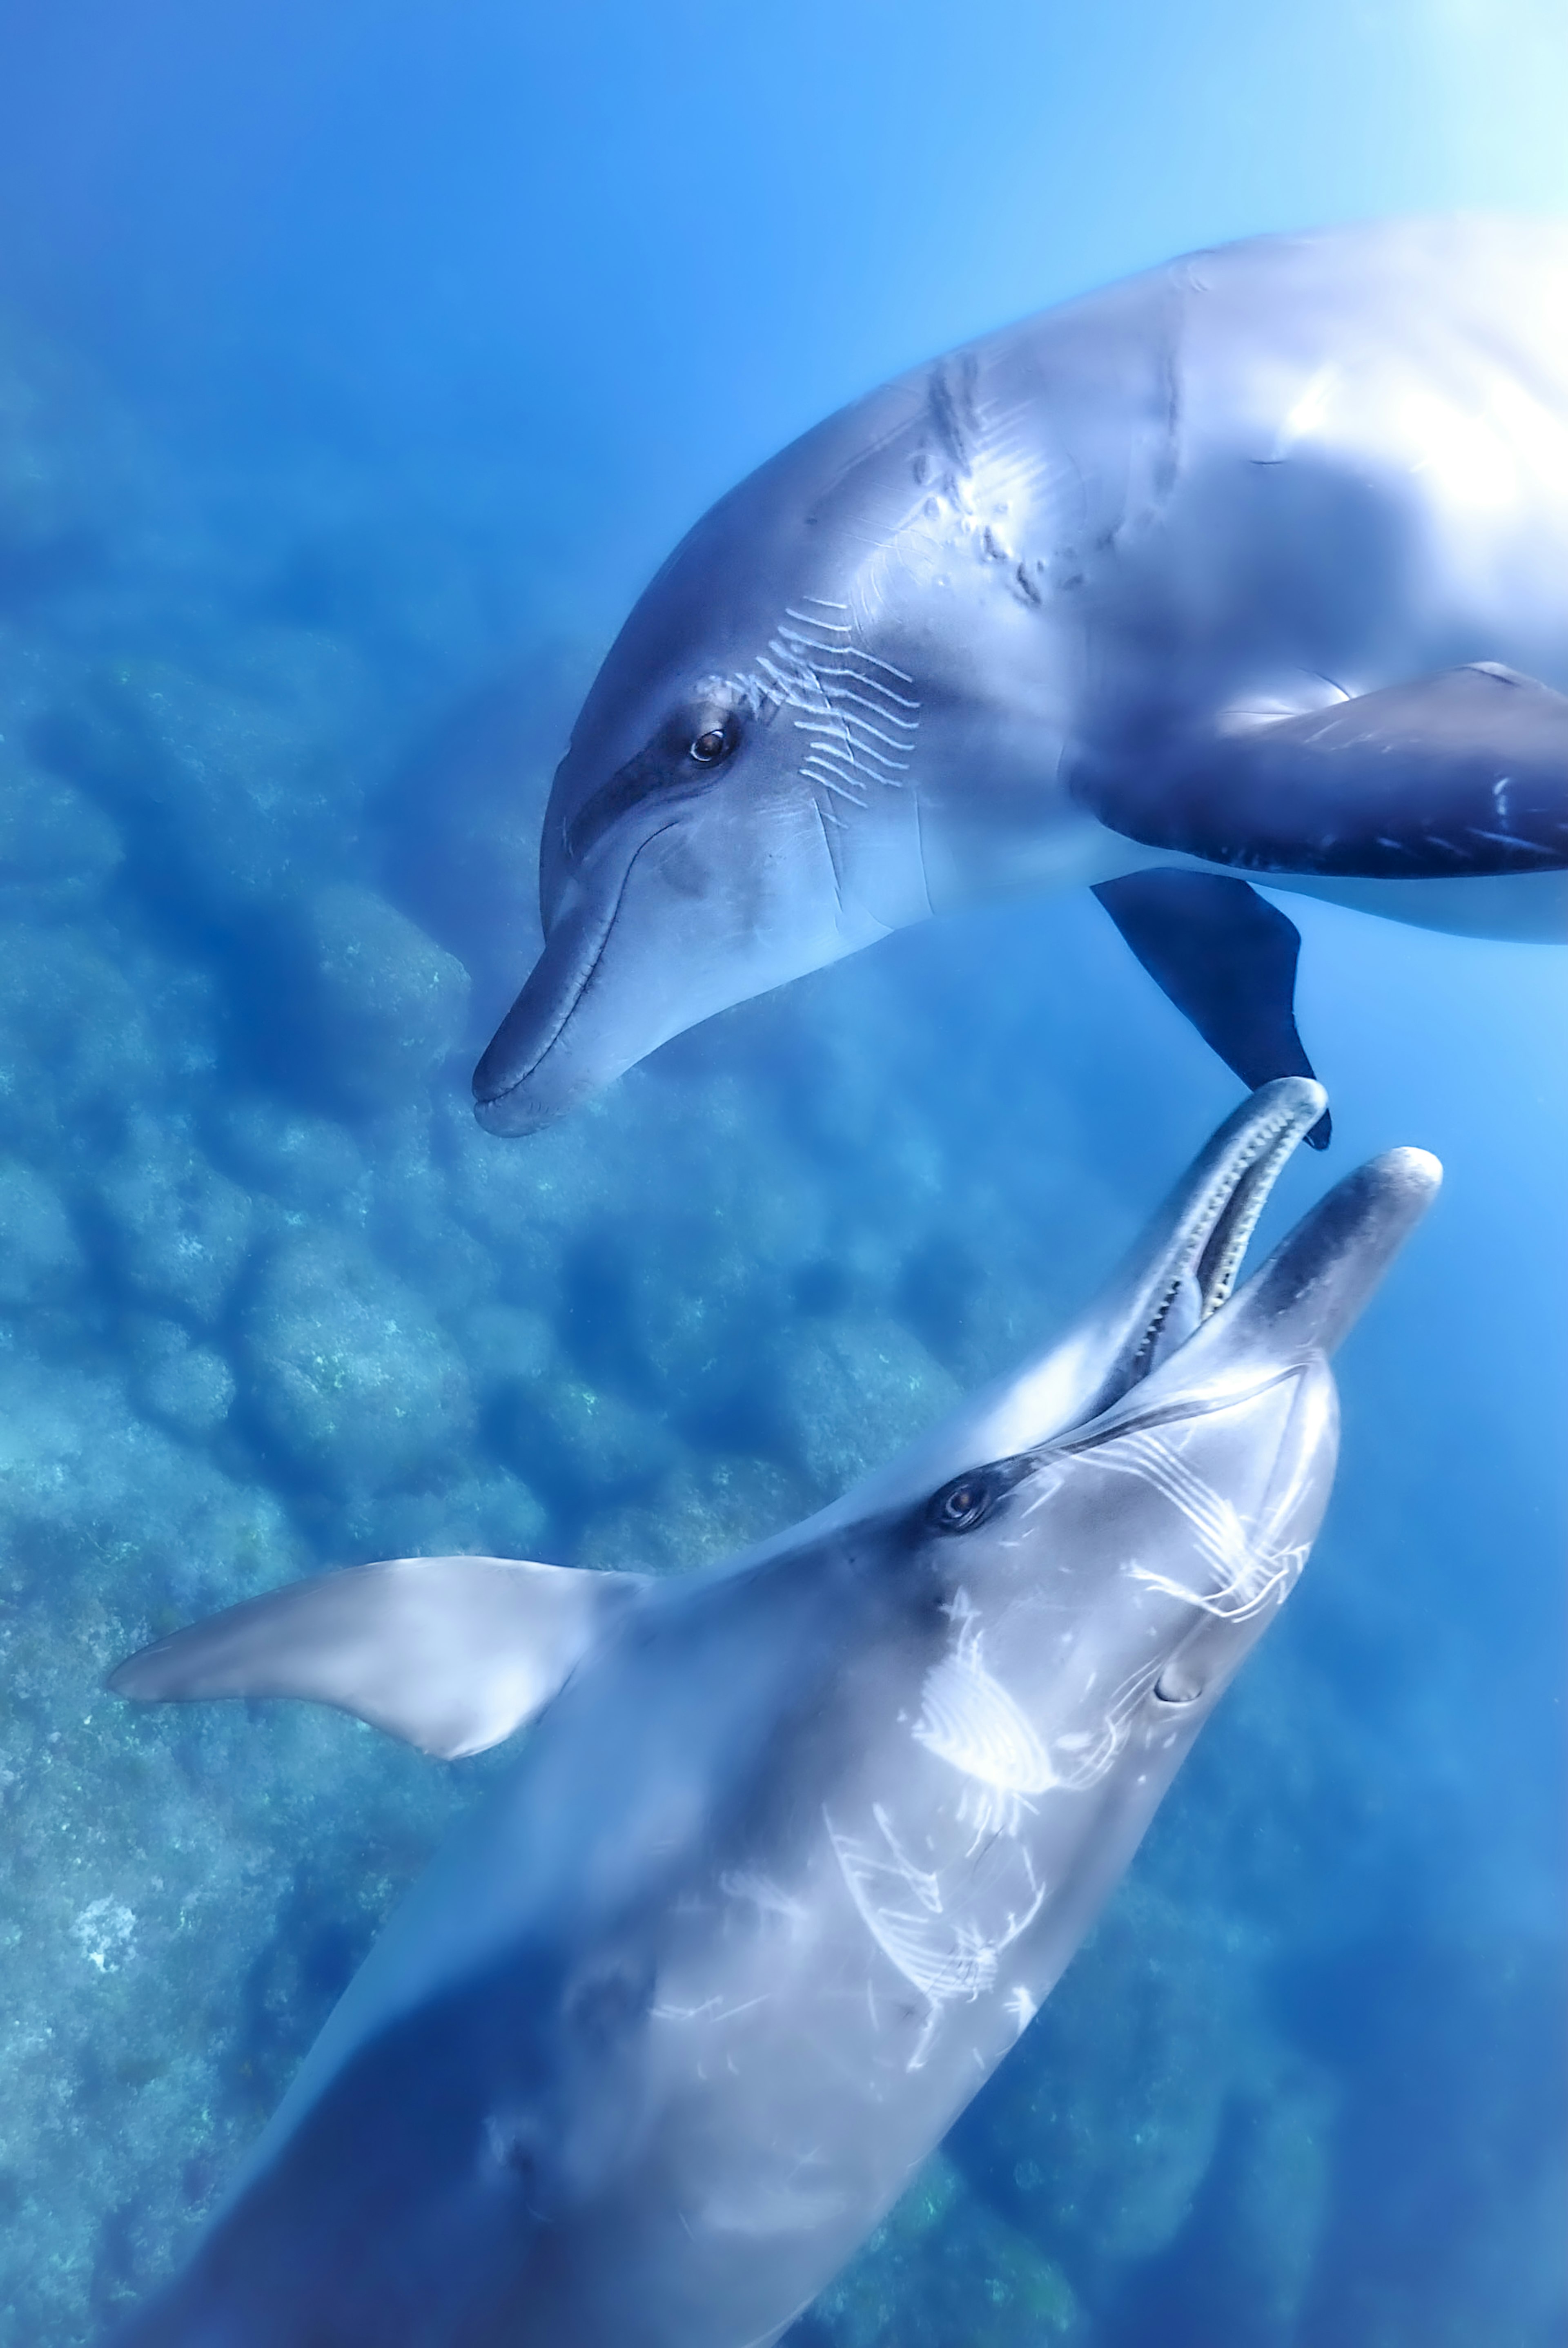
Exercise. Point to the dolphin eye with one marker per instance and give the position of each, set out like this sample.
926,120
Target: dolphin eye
710,746
961,1505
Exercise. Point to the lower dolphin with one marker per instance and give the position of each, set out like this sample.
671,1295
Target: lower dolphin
794,1848
1256,566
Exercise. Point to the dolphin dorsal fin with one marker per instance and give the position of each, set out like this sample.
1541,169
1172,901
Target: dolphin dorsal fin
451,1653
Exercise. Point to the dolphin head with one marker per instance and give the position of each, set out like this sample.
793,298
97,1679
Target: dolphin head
1108,1579
741,799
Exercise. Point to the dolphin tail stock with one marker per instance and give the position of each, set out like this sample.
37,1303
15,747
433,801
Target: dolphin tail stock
450,1654
1226,959
1458,775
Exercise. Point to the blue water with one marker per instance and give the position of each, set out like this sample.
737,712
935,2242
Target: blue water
356,368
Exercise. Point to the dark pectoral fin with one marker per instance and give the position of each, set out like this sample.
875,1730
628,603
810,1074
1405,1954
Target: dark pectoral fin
1227,960
451,1653
1466,773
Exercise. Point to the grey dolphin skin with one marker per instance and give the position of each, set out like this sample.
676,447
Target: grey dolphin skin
1255,565
794,1848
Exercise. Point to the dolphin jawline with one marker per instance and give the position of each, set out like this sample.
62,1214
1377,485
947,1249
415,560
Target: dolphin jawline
499,1077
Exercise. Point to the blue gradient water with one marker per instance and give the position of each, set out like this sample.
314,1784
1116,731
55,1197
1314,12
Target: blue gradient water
356,368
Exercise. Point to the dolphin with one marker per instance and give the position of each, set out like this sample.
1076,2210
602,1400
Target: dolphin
794,1848
1255,565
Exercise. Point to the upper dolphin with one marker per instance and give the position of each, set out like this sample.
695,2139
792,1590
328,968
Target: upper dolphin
1255,563
797,1845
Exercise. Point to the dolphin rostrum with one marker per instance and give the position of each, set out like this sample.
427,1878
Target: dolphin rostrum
794,1847
1255,565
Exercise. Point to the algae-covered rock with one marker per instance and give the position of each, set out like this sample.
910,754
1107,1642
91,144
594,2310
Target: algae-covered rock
494,1514
1096,2134
505,1346
850,1393
581,1444
189,1387
76,1046
307,1163
181,1230
1154,2136
346,1371
57,848
385,1004
944,2269
223,791
40,1256
97,1503
703,1511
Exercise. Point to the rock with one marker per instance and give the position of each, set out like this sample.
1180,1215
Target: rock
1097,2133
505,1346
850,1393
306,1163
39,1254
57,850
385,1005
943,2268
703,1512
189,1387
227,797
95,1500
77,1048
345,1370
480,1516
182,1231
582,1445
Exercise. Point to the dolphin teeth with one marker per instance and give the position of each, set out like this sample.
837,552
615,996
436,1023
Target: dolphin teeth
1216,1240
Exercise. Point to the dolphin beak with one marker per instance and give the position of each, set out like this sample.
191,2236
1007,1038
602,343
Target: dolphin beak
531,1072
1315,1286
509,1097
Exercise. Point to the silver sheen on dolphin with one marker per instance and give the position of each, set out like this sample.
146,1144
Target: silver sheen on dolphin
794,1848
1255,565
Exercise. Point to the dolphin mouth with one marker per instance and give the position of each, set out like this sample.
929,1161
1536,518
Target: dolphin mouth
506,1092
1295,1308
1184,1269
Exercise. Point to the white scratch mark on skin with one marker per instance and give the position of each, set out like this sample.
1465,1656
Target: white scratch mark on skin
970,1721
860,727
713,2009
1006,474
1248,1577
767,1897
1022,2007
946,1958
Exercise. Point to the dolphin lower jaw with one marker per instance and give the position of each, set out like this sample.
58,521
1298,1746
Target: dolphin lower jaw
506,1099
611,985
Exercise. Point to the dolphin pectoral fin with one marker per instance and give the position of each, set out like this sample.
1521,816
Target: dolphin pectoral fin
1226,959
451,1653
1464,773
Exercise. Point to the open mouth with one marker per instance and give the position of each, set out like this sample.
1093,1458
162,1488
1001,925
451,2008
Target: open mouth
1187,1268
1215,1242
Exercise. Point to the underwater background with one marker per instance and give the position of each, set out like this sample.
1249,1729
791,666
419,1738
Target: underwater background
358,362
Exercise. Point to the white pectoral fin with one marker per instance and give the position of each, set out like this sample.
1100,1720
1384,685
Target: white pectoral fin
451,1653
